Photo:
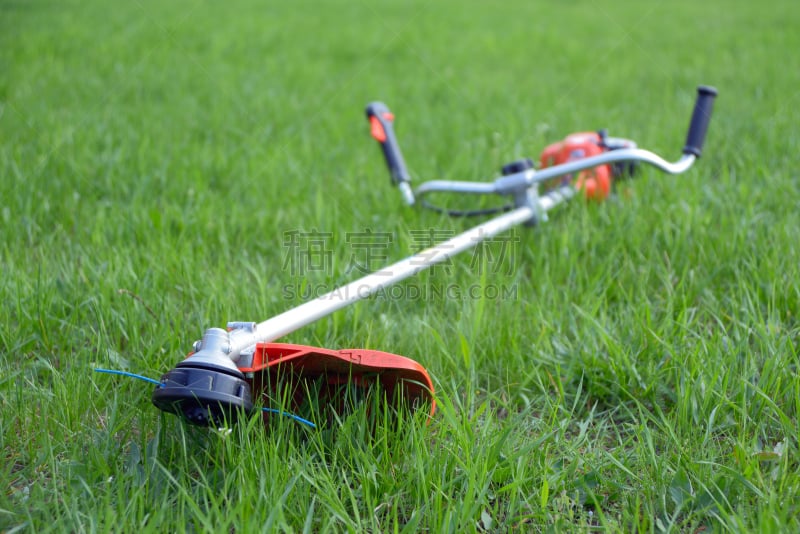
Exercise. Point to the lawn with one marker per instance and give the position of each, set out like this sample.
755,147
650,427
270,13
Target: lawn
628,366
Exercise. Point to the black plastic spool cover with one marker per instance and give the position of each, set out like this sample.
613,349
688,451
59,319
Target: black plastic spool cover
204,394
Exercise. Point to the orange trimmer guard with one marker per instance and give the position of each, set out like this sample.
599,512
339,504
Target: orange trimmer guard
360,367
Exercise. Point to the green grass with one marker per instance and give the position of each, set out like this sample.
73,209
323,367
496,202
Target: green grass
152,157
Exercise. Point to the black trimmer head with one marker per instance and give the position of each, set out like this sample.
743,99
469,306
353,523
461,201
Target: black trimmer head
204,394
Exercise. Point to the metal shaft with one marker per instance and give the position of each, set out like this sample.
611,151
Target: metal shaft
362,288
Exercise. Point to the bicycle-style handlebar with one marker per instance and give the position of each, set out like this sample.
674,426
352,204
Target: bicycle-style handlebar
382,119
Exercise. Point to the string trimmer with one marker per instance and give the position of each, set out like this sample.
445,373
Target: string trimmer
231,371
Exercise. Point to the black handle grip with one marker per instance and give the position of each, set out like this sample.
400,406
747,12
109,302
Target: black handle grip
701,116
381,120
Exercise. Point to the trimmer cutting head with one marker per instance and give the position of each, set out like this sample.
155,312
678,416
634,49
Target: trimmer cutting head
206,388
204,395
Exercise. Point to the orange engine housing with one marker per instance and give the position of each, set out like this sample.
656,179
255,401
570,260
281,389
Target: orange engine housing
596,182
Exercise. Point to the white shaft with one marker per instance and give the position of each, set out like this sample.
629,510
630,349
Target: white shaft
313,310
